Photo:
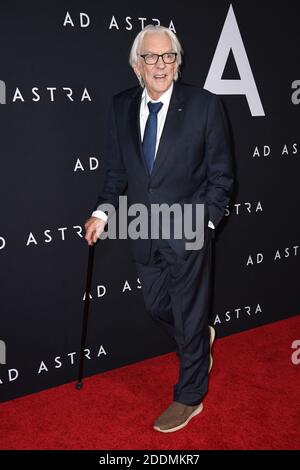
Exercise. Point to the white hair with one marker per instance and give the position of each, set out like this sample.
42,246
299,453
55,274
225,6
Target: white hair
152,29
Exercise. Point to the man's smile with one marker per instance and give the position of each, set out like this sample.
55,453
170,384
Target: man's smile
159,76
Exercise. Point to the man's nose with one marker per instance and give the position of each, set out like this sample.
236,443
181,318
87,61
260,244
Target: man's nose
160,63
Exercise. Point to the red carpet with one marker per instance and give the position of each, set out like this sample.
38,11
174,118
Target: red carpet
253,402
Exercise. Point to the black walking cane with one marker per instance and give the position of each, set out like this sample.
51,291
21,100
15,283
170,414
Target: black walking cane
79,383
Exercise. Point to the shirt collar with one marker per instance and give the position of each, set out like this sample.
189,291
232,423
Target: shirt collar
165,97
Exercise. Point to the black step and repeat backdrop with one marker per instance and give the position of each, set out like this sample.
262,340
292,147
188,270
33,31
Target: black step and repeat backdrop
61,61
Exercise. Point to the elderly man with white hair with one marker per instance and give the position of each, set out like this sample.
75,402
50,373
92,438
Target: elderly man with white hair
168,143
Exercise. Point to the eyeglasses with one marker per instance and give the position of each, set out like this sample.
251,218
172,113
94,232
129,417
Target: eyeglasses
167,57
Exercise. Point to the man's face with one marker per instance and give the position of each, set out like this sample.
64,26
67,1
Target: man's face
158,77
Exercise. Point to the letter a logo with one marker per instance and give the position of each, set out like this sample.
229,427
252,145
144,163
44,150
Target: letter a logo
231,39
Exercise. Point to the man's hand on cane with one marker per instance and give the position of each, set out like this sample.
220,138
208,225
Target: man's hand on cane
93,229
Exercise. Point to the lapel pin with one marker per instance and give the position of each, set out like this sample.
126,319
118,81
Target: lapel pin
179,109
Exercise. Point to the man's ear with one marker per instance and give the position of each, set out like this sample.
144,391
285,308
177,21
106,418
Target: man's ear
137,71
177,69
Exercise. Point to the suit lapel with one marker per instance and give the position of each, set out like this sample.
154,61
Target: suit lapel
172,128
134,120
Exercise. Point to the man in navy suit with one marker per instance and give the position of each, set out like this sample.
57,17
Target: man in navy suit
169,143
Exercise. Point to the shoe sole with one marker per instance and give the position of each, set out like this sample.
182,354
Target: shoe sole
195,413
212,338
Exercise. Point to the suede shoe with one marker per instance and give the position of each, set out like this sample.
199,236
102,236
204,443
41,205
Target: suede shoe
176,417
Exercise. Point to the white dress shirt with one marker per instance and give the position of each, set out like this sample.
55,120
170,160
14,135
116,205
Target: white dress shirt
161,117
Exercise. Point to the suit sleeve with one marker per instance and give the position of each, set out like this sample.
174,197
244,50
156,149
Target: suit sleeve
219,161
115,179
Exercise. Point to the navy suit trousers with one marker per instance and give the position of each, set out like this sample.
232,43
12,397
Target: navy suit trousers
177,294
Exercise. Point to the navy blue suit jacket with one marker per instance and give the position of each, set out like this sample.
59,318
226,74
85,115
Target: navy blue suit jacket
193,163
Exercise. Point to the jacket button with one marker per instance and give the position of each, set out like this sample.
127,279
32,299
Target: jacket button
150,190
